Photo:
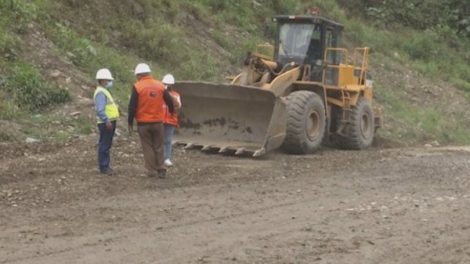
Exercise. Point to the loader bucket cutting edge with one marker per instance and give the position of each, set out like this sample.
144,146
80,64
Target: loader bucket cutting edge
223,118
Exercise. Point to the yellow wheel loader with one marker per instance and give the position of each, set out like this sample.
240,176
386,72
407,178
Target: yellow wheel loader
297,94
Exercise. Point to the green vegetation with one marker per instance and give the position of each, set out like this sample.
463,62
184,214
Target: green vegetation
414,123
23,84
431,36
168,39
432,54
30,92
416,14
208,39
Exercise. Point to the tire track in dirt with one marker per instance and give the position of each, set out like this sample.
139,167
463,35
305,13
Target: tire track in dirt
388,206
136,236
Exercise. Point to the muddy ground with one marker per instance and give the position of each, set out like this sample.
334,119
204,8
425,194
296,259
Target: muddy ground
374,206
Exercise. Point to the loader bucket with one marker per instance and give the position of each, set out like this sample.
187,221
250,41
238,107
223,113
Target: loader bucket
230,119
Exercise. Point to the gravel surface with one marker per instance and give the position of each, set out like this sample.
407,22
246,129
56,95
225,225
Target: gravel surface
375,206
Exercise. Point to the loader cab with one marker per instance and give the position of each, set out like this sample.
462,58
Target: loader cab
303,40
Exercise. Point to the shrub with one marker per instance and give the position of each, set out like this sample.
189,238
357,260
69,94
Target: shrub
79,50
7,47
461,84
8,110
422,46
18,13
29,90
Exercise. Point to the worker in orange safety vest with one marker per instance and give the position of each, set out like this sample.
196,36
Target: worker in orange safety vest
147,107
171,119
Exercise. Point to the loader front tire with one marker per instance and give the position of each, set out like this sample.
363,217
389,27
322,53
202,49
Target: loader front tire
306,123
360,129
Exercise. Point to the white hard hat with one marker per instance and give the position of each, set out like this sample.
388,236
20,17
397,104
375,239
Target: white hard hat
104,74
168,79
142,68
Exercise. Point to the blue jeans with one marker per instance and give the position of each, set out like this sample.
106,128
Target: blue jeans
104,145
169,130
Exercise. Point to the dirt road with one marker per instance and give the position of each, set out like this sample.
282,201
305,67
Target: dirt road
375,206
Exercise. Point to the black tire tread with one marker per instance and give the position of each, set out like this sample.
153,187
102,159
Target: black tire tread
297,105
354,140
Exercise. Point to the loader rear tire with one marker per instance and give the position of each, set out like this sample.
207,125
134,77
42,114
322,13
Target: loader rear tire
361,128
306,123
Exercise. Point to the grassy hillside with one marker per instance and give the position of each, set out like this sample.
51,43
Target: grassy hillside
53,48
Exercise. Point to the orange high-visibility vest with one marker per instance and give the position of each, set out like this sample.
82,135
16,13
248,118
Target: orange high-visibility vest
172,119
150,100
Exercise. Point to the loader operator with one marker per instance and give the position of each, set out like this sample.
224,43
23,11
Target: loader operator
146,106
107,113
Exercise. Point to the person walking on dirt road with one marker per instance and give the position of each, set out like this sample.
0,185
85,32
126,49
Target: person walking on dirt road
107,113
171,119
146,106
